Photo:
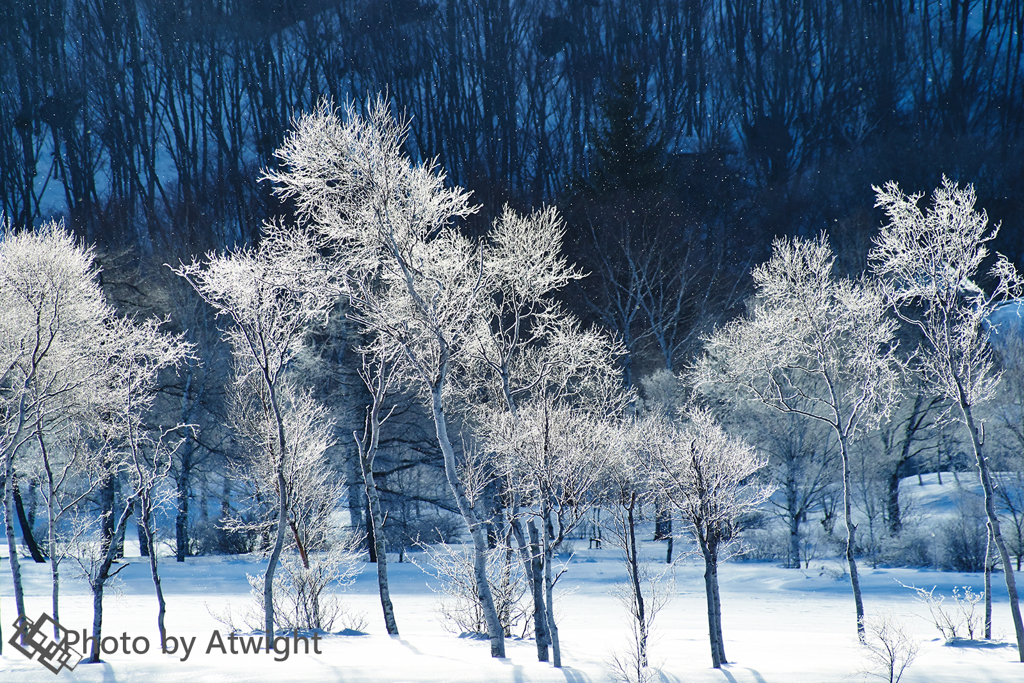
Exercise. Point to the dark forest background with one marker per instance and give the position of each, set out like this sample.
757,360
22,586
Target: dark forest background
147,121
677,138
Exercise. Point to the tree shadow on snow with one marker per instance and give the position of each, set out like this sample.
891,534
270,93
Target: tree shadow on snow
732,679
977,644
574,675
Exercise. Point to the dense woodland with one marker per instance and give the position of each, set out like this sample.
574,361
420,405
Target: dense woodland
675,139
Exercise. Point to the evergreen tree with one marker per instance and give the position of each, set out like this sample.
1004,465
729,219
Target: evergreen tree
629,152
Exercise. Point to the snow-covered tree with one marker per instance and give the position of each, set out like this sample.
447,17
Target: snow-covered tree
627,492
707,476
510,355
312,493
927,261
69,471
52,317
135,355
414,283
271,295
534,361
449,313
801,462
815,345
555,454
377,376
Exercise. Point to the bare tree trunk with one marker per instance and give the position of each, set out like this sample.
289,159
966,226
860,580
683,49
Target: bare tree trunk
851,530
532,565
282,517
988,583
713,600
367,447
146,518
97,623
549,589
144,547
275,556
540,617
717,596
181,518
379,545
794,540
26,527
103,574
371,546
634,576
894,514
913,425
108,494
532,559
709,577
662,522
54,566
494,631
51,535
12,542
993,525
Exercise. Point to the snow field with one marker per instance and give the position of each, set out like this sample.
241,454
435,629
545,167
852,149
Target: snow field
780,625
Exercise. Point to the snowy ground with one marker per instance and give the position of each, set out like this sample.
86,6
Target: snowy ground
781,626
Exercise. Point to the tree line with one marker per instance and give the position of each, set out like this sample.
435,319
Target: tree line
145,122
532,413
676,138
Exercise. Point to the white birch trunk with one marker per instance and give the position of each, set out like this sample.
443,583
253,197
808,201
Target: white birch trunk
380,546
993,525
540,617
549,589
851,530
494,631
99,581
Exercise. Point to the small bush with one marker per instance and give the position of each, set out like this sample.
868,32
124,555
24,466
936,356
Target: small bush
305,598
627,668
772,543
962,620
765,544
890,647
460,608
913,546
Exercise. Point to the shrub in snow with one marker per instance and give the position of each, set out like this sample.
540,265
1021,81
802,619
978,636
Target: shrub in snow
460,608
773,543
928,262
407,531
627,668
305,598
956,622
890,647
209,537
813,345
